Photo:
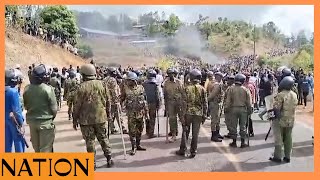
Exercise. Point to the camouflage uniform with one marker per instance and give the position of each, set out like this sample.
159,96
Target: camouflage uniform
115,94
172,92
286,101
238,104
70,86
137,109
91,111
227,115
194,109
55,83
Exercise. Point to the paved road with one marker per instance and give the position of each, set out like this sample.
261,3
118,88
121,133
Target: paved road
211,156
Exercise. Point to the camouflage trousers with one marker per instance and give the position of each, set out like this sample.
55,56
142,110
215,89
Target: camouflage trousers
238,115
70,107
173,110
215,109
99,131
116,115
135,126
150,123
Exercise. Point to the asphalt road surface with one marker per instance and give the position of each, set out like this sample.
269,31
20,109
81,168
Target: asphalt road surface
211,156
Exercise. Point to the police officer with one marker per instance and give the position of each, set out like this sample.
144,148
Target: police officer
215,102
70,85
227,115
137,110
238,104
41,105
115,94
153,95
195,108
172,91
284,106
13,113
56,84
91,111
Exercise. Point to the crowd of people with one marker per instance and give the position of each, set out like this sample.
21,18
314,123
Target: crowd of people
191,90
32,28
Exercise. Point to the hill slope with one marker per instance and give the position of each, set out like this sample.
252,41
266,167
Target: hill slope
24,50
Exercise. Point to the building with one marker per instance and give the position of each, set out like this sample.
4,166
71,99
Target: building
86,32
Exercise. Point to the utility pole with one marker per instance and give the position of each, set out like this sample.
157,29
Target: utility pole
254,46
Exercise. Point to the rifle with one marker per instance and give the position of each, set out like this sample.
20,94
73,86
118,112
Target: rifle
19,127
158,122
265,139
248,129
167,122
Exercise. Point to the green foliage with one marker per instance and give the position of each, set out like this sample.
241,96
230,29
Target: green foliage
59,20
85,51
262,60
164,64
304,60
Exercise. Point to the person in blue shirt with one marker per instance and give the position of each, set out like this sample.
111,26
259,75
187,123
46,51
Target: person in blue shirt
13,106
305,86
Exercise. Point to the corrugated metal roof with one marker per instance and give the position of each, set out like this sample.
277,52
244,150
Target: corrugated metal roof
99,32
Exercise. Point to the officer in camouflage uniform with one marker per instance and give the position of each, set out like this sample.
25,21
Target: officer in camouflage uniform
195,108
153,97
56,84
210,82
227,115
172,91
215,103
92,110
40,102
238,104
137,109
70,86
287,72
284,106
115,94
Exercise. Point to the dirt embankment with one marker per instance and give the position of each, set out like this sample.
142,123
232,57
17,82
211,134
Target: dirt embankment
23,49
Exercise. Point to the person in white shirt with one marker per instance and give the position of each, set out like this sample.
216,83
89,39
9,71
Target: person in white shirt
159,79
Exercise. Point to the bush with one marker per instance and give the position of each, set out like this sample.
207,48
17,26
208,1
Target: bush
164,64
85,51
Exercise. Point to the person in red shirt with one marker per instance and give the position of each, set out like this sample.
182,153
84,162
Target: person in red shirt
252,90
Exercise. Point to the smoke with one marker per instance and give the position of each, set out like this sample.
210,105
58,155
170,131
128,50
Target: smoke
189,43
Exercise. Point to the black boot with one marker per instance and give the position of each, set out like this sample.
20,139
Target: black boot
180,153
140,148
243,144
70,117
227,136
218,133
273,159
234,143
133,150
286,160
214,137
109,161
124,131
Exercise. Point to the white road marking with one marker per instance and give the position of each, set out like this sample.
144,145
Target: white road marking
231,157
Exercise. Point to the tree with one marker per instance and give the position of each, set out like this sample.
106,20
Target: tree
85,51
303,60
301,38
60,21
